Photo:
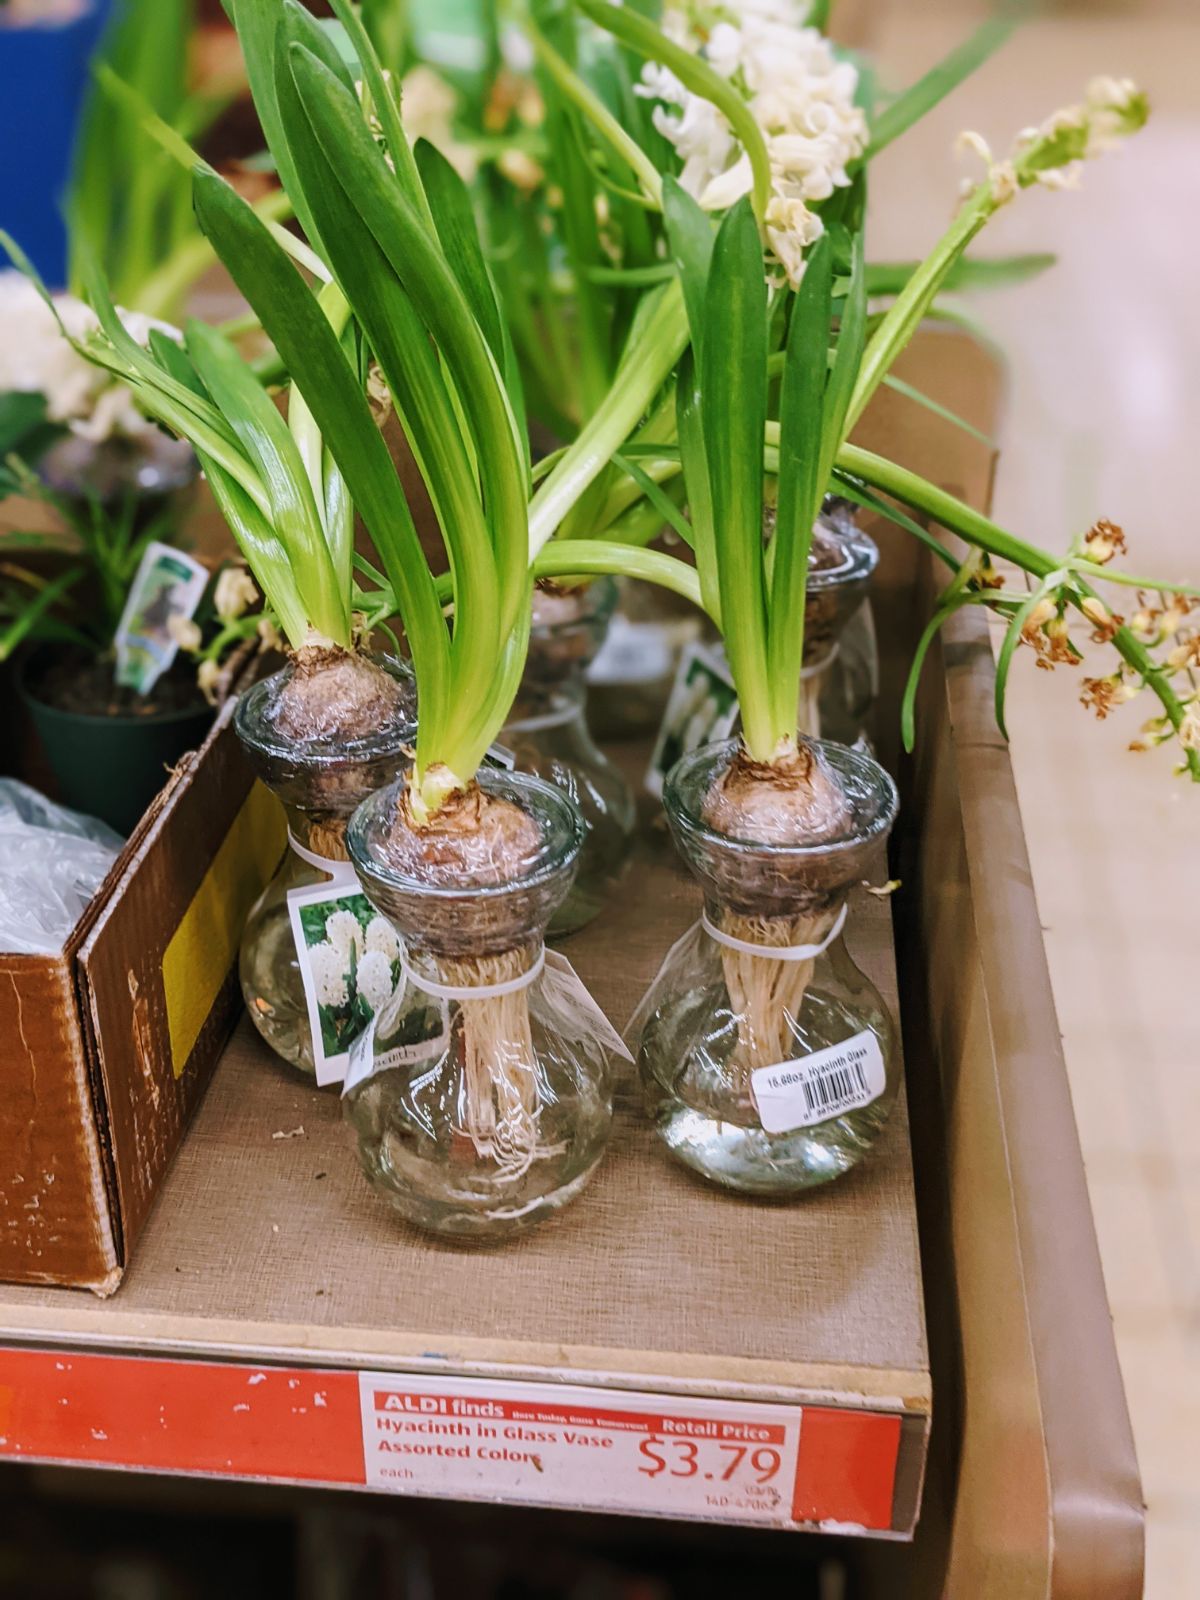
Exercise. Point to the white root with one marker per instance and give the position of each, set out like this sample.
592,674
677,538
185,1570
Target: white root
501,1101
766,994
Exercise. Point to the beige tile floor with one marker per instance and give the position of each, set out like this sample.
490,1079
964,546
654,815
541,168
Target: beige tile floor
1103,418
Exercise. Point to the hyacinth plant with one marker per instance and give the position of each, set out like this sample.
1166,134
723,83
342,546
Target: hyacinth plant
765,122
388,292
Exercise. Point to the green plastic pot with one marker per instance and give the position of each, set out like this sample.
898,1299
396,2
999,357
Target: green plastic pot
112,766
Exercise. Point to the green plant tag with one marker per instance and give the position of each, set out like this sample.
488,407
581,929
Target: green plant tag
167,585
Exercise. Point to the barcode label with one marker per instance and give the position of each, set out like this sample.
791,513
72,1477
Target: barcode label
829,1083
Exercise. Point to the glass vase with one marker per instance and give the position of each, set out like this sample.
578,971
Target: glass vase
770,1072
841,657
483,1101
548,736
319,782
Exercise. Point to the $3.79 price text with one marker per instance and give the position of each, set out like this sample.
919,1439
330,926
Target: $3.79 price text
723,1463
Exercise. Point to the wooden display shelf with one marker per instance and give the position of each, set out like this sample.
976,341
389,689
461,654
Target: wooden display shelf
267,1257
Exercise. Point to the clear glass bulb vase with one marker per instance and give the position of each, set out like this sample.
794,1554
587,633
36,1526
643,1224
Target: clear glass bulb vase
483,1102
841,658
319,783
548,736
770,1073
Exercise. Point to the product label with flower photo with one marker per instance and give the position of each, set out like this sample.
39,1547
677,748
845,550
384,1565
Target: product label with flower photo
167,585
702,709
829,1083
349,961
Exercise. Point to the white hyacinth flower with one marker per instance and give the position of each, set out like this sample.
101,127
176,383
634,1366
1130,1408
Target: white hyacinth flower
374,979
381,938
802,98
344,932
328,966
35,358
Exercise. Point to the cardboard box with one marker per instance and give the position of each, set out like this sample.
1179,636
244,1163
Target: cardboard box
110,1044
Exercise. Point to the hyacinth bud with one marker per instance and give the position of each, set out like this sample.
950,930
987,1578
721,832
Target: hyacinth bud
234,593
185,632
1112,109
209,679
1041,613
269,634
1095,611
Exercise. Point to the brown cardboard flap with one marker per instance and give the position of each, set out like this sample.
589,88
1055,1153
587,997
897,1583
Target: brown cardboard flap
158,968
48,1132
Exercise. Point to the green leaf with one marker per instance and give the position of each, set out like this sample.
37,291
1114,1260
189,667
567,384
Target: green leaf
573,88
422,270
384,104
938,82
311,352
454,218
906,312
21,415
802,479
124,204
35,609
387,23
861,496
993,272
173,358
644,369
937,409
690,423
661,501
846,361
932,627
426,406
259,24
265,438
586,558
733,388
691,237
265,555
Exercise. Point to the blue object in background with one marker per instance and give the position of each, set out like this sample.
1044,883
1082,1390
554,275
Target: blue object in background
43,80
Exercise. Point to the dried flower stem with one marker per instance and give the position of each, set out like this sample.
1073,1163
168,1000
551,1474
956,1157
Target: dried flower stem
985,534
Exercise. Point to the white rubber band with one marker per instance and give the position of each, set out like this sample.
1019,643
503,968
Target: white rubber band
481,991
782,952
340,871
815,668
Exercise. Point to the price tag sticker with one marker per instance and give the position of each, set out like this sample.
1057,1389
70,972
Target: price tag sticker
815,1088
592,1449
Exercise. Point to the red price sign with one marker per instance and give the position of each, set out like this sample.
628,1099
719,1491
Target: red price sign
577,1447
460,1438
